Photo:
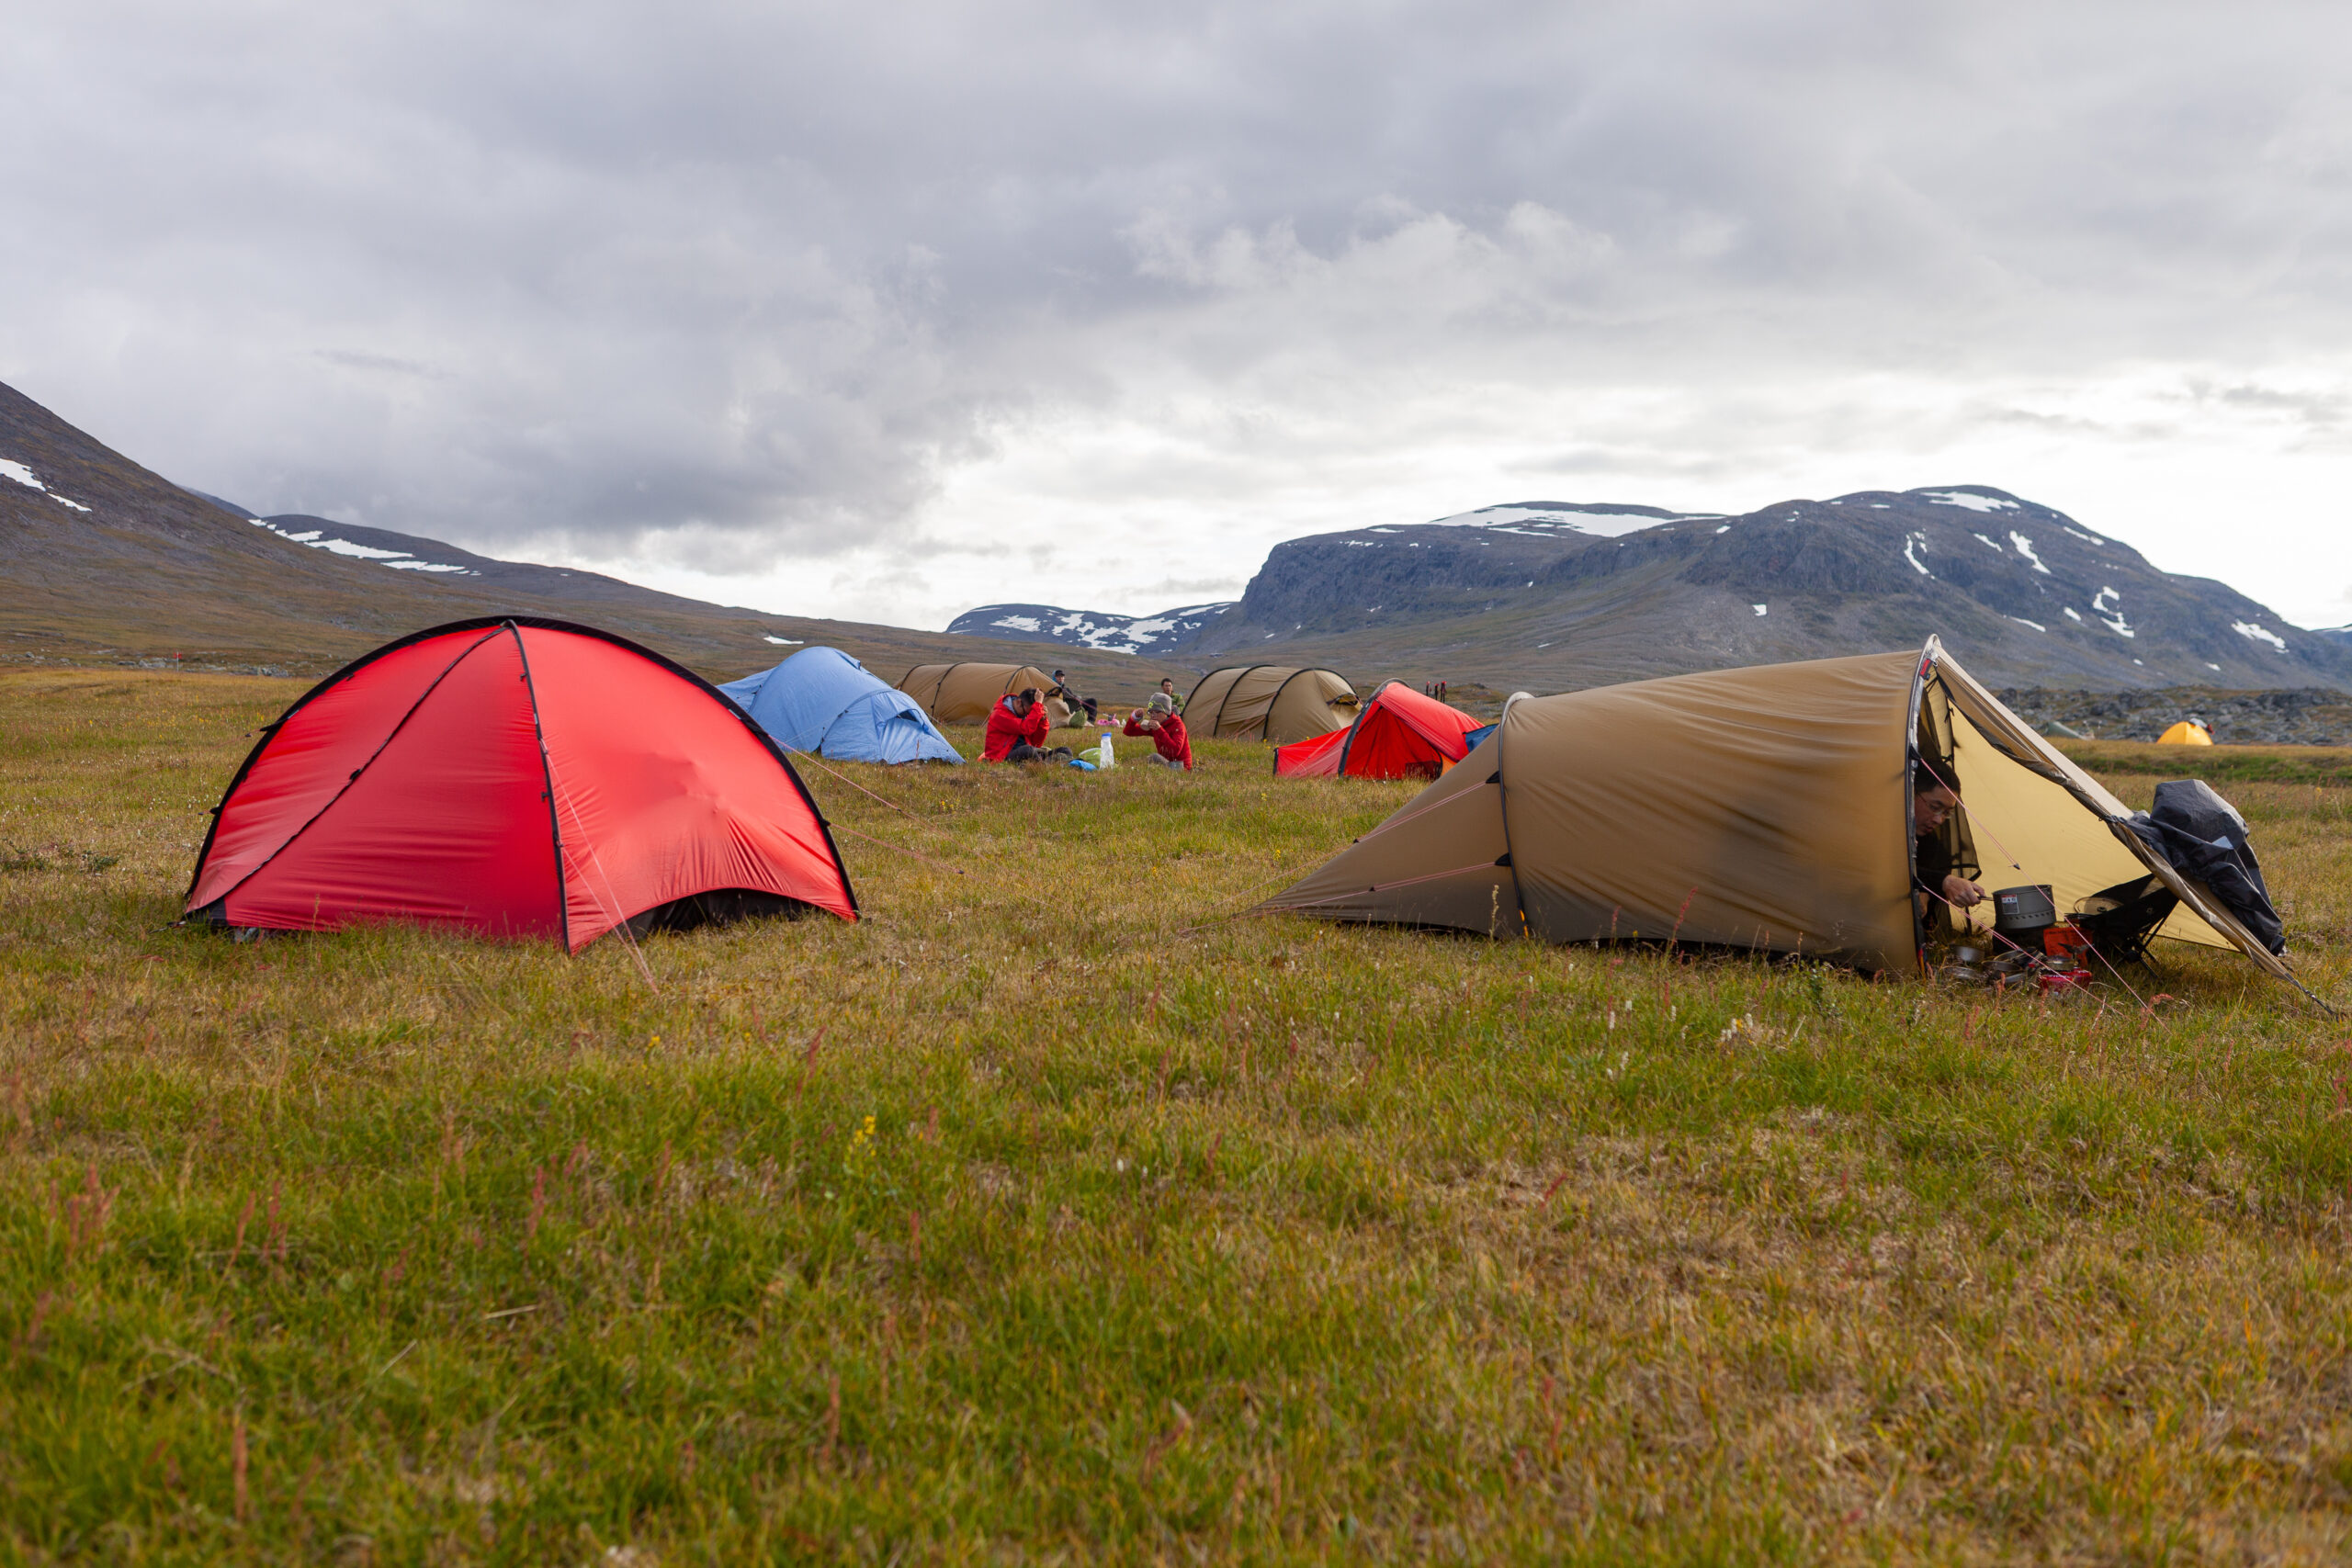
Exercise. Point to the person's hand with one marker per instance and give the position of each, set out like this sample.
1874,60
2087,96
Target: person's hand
1963,893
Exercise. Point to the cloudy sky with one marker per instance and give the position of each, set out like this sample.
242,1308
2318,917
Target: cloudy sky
886,311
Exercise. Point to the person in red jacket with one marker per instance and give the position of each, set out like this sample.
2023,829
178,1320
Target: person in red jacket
1171,747
1017,729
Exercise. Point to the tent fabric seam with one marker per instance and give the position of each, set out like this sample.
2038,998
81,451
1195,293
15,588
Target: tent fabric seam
269,731
341,790
547,771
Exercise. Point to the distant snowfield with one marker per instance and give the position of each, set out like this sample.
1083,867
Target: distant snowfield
1972,502
1544,522
399,560
1132,635
2254,631
12,469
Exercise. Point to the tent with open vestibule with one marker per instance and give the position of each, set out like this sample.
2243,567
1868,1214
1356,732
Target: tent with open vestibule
515,777
824,701
1280,703
1766,808
963,694
1398,733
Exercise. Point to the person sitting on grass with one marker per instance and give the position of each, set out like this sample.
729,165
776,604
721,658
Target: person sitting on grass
1170,746
1937,869
1070,699
1017,729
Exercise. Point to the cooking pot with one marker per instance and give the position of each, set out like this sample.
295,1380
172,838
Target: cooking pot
2022,914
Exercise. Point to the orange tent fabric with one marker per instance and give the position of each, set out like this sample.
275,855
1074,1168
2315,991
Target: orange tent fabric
1398,734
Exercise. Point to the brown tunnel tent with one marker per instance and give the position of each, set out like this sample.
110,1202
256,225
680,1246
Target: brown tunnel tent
1268,702
1766,808
963,694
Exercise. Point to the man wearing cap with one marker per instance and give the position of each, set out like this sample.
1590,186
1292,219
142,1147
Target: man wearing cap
1016,728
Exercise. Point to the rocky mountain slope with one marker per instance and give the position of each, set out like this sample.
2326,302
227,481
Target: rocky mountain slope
1156,634
1551,596
2312,716
104,561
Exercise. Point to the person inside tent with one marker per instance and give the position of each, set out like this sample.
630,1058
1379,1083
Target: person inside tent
1944,861
1017,730
1165,700
1061,689
1170,746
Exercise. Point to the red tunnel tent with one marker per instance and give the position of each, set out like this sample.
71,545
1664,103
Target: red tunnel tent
515,777
1398,734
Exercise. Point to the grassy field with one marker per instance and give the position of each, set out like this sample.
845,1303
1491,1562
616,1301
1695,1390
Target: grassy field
2217,765
1043,1215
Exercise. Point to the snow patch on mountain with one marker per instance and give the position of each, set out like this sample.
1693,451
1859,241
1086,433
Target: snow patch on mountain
2025,549
1085,628
1541,519
1916,541
2111,615
2254,631
1970,499
399,560
23,475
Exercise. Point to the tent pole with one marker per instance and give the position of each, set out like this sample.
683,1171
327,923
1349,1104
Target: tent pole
1502,809
1910,808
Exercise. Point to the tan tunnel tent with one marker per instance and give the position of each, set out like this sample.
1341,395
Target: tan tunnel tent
1766,808
1268,702
963,694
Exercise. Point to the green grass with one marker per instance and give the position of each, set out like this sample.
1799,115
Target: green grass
2330,765
1046,1216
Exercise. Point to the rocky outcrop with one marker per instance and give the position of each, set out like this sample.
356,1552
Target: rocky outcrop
2306,716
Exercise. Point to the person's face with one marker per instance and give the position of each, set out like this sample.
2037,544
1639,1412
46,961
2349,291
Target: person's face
1930,809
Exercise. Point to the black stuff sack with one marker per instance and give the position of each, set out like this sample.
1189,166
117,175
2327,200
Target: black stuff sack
2204,839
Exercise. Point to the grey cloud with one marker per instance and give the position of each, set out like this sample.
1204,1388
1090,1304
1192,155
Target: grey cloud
740,283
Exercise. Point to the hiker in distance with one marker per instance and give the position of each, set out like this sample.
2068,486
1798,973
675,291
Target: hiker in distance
1170,746
1937,868
1017,730
1164,700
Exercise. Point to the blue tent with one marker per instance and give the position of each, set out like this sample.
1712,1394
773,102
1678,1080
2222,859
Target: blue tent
821,700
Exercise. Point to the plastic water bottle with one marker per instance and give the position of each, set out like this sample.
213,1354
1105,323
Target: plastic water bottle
1108,761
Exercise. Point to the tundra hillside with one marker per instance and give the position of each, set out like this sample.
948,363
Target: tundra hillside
1045,1215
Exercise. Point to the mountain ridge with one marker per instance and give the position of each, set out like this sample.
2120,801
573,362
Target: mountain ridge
1563,594
103,560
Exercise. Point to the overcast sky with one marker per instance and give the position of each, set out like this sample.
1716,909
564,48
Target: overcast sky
887,311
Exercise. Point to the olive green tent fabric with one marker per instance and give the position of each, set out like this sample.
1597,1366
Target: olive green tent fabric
1766,808
1268,702
963,694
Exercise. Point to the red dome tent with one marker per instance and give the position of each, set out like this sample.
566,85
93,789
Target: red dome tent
1398,734
515,777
